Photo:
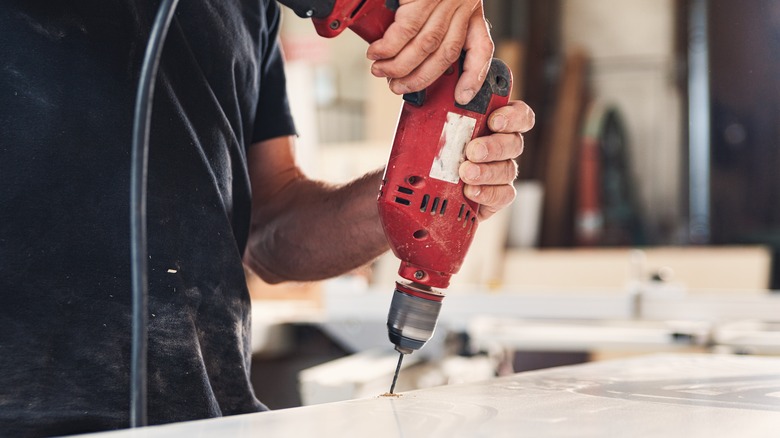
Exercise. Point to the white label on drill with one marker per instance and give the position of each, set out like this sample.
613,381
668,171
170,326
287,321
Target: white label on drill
455,135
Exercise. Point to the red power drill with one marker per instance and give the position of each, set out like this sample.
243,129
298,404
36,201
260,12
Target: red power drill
425,215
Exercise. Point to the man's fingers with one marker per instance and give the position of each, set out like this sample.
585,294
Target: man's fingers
479,53
423,45
517,116
426,38
410,18
490,198
499,172
496,147
435,64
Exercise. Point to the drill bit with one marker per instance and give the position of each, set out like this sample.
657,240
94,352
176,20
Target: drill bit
397,370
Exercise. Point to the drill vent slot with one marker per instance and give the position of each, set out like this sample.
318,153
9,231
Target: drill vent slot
405,190
437,206
466,219
469,218
424,205
472,222
403,201
443,207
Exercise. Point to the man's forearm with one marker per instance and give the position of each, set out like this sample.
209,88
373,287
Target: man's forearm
318,231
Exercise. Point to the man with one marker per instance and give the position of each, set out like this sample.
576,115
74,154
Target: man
223,185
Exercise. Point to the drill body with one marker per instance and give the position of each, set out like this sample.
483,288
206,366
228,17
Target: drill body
428,221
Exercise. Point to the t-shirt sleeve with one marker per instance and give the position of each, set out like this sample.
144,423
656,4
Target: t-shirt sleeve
273,117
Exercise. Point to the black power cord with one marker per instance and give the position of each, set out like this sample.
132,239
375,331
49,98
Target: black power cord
138,241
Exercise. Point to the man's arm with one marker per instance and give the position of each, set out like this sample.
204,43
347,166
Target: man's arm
304,230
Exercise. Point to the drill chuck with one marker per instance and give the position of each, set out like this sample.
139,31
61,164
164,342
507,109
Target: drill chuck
412,317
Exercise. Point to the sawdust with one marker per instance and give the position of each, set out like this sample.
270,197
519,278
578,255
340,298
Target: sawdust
390,394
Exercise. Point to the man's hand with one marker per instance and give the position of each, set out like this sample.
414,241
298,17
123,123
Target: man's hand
490,168
426,38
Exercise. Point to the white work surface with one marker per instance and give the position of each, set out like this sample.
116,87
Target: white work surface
655,396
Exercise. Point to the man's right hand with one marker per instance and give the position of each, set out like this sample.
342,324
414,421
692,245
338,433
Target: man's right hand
427,38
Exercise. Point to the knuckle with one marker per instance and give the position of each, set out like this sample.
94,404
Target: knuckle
486,173
450,54
495,196
421,81
430,41
501,196
509,146
530,117
395,88
506,147
487,196
505,173
380,49
418,85
376,70
511,194
397,68
508,172
401,70
497,152
515,147
485,69
520,144
513,170
487,45
410,28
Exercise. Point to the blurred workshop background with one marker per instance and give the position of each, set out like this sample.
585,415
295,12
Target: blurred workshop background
648,209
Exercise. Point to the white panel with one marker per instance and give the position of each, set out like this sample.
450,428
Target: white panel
658,396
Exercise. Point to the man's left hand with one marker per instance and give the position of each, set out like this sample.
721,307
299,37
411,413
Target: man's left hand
490,167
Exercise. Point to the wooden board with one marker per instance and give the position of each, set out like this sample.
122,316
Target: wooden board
560,150
744,270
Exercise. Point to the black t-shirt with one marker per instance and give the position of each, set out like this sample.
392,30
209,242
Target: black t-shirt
68,77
